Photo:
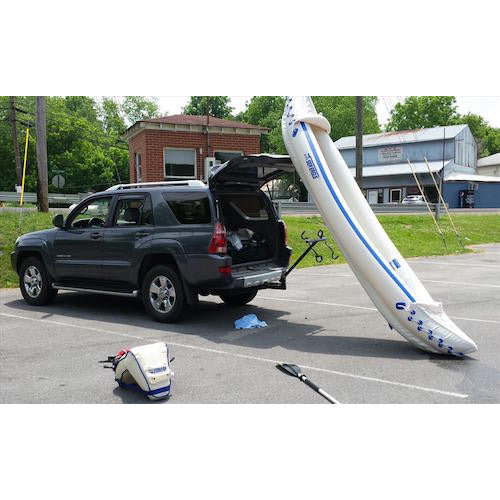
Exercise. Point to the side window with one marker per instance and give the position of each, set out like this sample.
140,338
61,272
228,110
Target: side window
93,214
134,212
189,208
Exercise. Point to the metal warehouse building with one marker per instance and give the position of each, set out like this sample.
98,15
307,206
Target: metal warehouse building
451,152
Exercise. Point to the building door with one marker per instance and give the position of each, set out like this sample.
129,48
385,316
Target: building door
395,196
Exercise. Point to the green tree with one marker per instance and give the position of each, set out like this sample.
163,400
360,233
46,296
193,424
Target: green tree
90,155
266,111
135,108
111,116
82,106
340,111
487,137
491,142
219,106
423,112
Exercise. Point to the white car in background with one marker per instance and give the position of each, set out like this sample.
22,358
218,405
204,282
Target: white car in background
413,199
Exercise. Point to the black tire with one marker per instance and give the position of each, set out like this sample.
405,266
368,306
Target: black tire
239,299
166,310
41,294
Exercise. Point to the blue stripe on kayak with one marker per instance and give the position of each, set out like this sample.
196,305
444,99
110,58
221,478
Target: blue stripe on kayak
346,215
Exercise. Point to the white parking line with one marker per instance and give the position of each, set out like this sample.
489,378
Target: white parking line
324,275
452,264
462,283
260,297
361,307
246,356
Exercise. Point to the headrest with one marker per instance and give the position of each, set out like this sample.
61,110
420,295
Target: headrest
132,215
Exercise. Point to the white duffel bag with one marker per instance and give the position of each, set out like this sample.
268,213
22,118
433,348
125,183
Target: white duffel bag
146,367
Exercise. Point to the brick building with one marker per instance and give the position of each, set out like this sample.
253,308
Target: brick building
184,147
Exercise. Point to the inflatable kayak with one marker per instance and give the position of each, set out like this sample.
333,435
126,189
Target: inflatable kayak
386,277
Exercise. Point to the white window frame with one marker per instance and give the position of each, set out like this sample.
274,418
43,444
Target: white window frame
400,195
180,176
138,168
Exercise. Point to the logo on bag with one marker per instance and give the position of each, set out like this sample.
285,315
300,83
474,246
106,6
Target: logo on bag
158,370
311,166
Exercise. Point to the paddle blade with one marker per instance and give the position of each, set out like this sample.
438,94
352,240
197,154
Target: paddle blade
292,370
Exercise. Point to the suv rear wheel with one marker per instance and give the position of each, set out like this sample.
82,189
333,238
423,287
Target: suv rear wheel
239,299
162,294
35,283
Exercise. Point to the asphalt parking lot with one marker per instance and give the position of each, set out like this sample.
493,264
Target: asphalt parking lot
324,322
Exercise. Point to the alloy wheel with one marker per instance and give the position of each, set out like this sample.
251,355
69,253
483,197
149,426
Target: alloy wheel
162,294
32,280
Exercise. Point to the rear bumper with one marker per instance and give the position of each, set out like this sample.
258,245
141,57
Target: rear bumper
263,278
203,274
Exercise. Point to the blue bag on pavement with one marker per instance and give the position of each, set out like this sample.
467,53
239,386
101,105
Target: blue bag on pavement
249,321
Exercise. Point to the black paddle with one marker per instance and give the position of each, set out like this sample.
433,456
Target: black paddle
294,371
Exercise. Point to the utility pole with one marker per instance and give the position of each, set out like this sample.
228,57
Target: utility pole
19,172
359,141
438,204
41,155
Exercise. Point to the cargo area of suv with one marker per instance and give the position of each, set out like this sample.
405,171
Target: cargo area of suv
251,231
255,235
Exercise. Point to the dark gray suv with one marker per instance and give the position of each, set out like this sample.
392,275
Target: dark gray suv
166,242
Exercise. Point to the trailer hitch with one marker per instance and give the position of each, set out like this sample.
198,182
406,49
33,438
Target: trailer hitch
311,244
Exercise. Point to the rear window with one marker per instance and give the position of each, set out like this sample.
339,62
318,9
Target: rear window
189,208
250,207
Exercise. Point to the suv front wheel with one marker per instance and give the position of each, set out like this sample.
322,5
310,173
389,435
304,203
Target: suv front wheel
162,294
35,283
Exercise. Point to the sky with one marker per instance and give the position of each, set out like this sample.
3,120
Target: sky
487,107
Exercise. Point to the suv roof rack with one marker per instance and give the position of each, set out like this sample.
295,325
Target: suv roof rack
191,183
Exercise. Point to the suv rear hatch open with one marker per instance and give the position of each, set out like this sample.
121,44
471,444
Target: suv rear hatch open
250,170
256,238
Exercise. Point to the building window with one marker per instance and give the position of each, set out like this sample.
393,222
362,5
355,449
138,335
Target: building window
372,196
179,163
138,167
224,156
395,196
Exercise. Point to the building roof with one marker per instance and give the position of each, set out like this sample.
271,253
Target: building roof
489,160
194,123
402,137
456,176
400,168
202,120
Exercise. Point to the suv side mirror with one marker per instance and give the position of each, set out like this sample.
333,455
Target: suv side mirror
58,221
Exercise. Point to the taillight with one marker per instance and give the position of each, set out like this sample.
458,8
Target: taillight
285,233
218,243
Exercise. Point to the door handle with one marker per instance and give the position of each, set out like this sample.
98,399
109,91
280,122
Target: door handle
96,235
141,234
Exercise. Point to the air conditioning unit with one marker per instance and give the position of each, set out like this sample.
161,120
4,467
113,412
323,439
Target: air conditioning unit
210,162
